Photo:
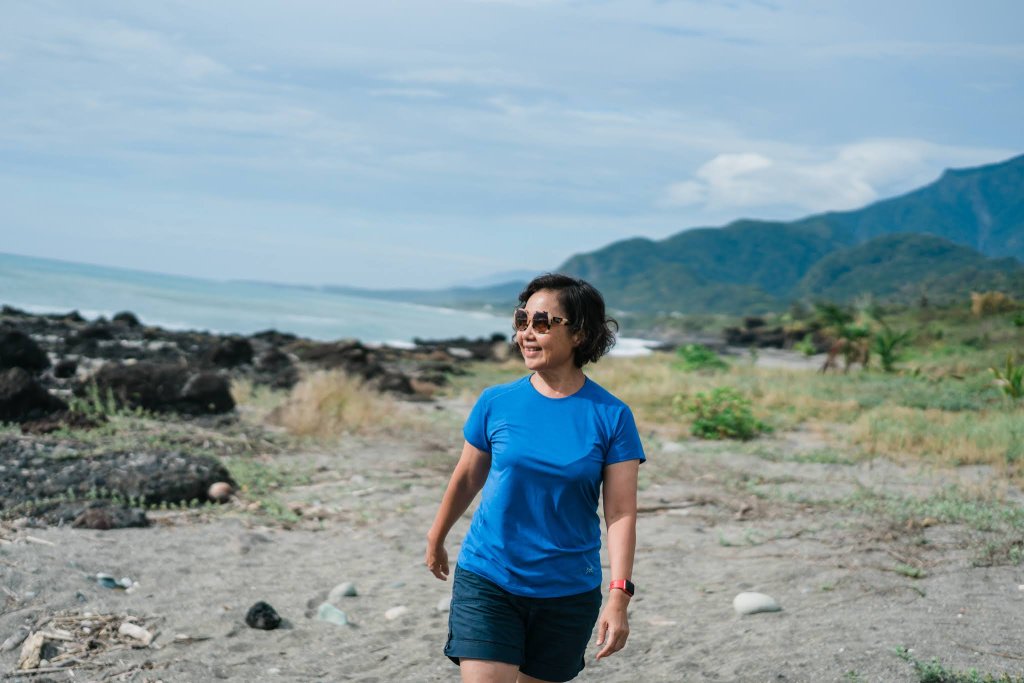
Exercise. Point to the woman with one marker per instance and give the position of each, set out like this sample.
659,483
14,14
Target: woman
527,588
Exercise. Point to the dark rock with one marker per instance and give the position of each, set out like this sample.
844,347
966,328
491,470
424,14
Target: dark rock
275,338
163,387
104,516
494,348
13,312
35,480
230,353
126,318
22,398
395,383
98,331
262,616
273,360
65,369
17,350
63,420
49,650
753,322
69,317
205,393
150,386
275,368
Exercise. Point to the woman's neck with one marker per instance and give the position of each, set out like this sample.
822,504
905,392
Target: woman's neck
558,384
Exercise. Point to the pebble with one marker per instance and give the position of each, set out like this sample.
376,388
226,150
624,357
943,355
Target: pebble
14,640
444,604
342,590
137,632
752,603
396,612
396,584
262,616
331,614
219,492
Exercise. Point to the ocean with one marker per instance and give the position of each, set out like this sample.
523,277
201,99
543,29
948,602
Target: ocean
41,285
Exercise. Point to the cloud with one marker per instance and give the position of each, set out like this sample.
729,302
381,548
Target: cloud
850,177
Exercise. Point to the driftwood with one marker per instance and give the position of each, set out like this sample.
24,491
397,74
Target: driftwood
78,638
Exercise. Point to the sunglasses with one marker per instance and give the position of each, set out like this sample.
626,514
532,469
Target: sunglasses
541,321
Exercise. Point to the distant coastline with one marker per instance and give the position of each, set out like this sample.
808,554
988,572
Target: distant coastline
46,286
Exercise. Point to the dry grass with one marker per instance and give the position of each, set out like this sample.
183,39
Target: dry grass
329,404
948,418
950,438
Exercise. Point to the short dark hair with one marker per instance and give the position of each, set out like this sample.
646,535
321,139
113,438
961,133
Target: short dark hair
584,306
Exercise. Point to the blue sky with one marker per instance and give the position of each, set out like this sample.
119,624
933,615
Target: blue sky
421,144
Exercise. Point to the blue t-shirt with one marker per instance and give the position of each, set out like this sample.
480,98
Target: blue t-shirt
536,531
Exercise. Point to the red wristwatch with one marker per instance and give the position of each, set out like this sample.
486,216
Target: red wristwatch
623,585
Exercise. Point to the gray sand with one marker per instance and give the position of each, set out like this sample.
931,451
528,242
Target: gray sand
716,520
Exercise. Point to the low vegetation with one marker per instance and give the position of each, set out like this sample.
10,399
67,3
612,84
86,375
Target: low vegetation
933,671
723,413
330,404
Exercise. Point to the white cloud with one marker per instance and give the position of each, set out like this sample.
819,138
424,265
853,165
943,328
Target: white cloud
850,177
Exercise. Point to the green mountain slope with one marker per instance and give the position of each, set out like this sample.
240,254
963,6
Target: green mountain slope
751,266
902,267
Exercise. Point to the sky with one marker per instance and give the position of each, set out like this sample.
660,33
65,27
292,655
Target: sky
424,144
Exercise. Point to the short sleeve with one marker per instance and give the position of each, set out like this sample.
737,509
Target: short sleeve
625,443
475,429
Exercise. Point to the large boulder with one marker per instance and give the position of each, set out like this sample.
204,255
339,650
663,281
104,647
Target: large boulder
275,368
206,392
18,350
230,353
22,398
127,319
80,489
163,387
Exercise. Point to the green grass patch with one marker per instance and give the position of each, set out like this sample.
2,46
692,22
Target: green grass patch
934,671
699,358
950,505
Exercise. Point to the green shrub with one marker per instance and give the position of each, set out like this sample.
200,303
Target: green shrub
694,357
724,414
1010,380
806,345
1018,319
886,344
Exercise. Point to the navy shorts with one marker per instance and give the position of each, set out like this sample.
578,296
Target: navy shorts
545,637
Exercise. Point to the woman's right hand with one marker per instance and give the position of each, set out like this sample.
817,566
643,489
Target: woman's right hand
437,560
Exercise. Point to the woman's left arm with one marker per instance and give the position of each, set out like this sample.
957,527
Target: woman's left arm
620,480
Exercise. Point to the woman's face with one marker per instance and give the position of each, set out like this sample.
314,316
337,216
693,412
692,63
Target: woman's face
551,351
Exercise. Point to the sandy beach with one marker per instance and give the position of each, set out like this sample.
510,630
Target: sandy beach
716,519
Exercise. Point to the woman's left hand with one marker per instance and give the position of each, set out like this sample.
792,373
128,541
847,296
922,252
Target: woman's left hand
613,625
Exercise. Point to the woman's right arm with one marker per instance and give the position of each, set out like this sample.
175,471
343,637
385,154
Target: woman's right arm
467,480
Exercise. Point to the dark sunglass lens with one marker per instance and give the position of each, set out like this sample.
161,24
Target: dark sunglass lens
520,319
540,322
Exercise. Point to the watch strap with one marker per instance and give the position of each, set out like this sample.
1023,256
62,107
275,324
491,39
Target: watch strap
623,585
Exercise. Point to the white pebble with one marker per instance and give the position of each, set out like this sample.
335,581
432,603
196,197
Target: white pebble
342,590
396,612
444,604
752,603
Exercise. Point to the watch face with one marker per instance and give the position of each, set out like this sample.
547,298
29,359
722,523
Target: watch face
630,588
